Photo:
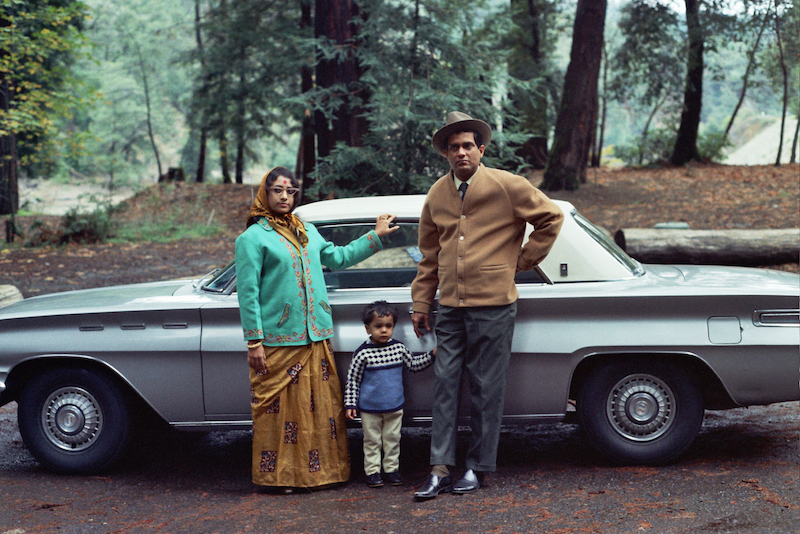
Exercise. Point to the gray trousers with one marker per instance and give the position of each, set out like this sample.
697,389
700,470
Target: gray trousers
477,340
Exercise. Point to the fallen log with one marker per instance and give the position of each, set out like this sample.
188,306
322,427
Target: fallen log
711,247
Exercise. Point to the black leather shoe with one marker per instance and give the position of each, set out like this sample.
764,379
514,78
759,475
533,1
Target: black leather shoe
394,479
469,482
374,480
434,485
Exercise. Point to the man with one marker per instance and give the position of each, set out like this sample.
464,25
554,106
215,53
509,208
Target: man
470,237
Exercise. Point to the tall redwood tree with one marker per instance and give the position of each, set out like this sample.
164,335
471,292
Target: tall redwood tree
336,22
577,116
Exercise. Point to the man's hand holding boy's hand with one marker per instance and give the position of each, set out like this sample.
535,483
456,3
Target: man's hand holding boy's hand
421,323
350,413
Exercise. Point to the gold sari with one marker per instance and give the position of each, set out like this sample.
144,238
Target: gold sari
299,432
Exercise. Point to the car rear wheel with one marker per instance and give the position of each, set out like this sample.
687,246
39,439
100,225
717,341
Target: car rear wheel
74,421
640,412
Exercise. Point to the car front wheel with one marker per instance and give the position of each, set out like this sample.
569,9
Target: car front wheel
73,421
640,412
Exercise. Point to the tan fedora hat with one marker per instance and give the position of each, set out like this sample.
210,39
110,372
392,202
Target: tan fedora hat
457,122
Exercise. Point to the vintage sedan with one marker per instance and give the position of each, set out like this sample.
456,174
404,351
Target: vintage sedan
634,353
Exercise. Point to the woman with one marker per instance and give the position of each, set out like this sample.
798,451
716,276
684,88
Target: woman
299,434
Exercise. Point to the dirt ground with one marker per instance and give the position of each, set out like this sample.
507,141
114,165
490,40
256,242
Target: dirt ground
704,196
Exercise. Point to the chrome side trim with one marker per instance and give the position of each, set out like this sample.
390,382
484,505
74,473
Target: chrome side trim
776,318
211,425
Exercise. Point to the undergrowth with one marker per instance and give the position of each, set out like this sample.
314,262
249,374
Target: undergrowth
165,213
160,216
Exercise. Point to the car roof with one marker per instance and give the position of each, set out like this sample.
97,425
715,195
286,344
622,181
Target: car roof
575,257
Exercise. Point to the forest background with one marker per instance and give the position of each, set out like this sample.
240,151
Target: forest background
348,92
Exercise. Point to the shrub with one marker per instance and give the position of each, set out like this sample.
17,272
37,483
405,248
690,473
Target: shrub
79,226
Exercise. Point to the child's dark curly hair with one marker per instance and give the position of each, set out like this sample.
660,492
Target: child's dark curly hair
379,308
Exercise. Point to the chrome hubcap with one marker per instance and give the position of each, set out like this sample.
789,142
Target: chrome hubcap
72,419
641,407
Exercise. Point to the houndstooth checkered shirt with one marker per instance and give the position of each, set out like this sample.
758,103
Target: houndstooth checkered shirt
375,378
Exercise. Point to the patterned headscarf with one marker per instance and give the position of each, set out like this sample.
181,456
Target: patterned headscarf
260,208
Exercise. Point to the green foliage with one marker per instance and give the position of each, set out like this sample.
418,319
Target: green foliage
648,75
133,40
159,214
712,145
419,66
164,230
419,59
79,226
530,44
76,226
788,22
250,64
648,63
41,41
653,149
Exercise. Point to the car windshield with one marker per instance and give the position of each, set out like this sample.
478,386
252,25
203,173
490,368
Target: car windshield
607,243
220,278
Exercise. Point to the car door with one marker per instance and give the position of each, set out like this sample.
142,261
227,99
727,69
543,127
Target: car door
226,383
387,275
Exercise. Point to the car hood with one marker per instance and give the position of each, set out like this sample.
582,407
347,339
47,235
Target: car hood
134,296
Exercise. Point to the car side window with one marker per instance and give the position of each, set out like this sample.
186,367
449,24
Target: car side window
394,266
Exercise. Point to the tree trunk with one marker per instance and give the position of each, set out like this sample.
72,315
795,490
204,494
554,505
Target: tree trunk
597,154
224,163
750,65
306,156
9,185
334,21
785,73
646,130
713,247
241,119
146,87
576,122
685,149
201,158
793,157
240,148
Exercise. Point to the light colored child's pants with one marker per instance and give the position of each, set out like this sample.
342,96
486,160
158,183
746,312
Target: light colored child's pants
381,429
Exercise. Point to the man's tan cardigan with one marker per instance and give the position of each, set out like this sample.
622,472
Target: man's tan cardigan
472,250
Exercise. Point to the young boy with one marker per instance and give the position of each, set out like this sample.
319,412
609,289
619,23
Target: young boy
375,387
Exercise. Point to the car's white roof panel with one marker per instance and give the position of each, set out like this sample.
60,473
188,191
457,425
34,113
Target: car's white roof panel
584,258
